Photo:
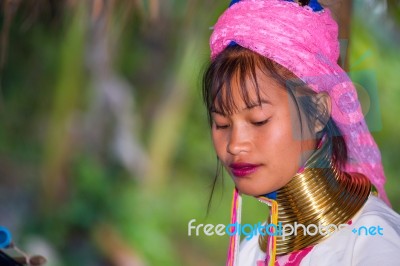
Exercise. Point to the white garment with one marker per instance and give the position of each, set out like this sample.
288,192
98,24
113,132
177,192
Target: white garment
345,247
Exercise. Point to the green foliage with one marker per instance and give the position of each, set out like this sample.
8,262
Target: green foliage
375,64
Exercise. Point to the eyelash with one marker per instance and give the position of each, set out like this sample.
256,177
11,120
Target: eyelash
221,127
258,124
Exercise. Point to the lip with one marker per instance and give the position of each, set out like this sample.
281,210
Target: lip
243,169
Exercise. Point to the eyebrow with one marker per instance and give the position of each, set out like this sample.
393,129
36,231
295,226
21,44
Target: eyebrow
263,101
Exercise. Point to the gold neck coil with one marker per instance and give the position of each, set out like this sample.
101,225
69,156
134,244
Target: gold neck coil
320,195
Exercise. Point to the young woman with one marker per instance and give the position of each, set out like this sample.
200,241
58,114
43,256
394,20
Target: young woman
287,126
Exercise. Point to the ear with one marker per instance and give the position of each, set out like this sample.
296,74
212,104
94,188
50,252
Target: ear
323,106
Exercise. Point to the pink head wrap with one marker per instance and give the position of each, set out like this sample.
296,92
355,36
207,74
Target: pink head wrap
306,43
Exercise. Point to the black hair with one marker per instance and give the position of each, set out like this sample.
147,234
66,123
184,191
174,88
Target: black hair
303,2
242,64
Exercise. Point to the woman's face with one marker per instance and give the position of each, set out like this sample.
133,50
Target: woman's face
261,146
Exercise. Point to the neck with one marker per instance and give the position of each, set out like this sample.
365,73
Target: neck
319,194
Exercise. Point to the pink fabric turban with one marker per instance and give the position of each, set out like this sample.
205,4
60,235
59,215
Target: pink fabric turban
306,43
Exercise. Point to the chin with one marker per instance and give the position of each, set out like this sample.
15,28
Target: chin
251,191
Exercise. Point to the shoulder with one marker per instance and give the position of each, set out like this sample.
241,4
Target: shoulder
372,238
376,209
377,235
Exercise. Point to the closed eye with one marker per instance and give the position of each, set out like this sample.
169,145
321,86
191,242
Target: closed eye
221,126
260,123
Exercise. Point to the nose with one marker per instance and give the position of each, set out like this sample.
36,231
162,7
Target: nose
238,141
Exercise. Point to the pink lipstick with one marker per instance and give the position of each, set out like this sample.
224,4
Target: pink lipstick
243,169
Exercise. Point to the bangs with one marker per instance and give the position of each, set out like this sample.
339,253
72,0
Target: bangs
235,70
238,71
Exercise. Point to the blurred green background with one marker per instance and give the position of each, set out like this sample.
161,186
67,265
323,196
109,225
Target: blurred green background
105,152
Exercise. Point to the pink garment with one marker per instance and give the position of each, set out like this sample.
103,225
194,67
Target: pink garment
292,259
306,43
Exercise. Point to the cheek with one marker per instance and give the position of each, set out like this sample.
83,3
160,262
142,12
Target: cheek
219,143
283,146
